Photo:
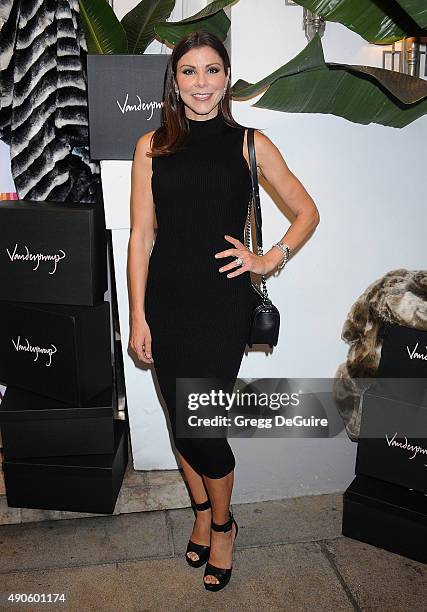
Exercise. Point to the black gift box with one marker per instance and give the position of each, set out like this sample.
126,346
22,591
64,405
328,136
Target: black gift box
386,515
59,351
393,441
403,353
80,483
36,426
52,252
125,100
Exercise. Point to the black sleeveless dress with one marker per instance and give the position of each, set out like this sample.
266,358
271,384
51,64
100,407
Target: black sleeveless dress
199,319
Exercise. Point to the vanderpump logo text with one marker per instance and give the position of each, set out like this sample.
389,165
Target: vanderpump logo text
127,106
26,347
412,449
24,254
414,353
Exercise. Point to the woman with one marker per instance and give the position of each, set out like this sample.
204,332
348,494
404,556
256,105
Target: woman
191,299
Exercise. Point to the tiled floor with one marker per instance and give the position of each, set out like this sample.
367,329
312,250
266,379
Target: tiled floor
289,556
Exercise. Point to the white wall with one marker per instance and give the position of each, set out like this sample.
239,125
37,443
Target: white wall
366,182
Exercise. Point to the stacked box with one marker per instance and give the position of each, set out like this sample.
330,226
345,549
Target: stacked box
64,443
386,504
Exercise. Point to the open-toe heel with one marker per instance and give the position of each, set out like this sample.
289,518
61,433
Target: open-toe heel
222,574
201,551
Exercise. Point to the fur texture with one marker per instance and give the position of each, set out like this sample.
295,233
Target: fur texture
43,114
398,297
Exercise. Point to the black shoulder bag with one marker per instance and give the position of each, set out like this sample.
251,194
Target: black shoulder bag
265,322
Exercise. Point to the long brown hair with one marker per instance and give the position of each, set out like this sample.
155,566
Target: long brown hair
173,133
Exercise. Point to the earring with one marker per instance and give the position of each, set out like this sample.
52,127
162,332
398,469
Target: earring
177,94
225,89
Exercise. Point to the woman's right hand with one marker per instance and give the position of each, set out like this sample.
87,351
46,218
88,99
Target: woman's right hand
140,340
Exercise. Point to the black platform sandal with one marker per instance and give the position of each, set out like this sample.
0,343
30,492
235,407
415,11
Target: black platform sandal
220,573
200,550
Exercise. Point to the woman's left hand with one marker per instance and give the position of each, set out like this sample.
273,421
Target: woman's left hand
251,262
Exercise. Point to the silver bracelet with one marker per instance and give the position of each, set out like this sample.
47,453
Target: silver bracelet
286,252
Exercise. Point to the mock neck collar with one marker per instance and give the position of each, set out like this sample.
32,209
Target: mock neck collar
206,125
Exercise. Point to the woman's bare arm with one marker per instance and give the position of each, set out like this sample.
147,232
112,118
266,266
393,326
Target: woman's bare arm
292,192
140,241
274,168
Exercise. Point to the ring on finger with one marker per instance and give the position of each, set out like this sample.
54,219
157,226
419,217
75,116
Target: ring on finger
239,262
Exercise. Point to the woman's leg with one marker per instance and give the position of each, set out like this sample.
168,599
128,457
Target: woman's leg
202,525
219,490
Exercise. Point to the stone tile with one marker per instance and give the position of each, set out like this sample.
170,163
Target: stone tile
292,578
83,541
170,496
143,498
164,477
313,517
378,579
133,477
33,515
300,519
29,515
78,515
8,515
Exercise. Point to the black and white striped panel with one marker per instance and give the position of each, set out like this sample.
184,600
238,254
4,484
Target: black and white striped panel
43,114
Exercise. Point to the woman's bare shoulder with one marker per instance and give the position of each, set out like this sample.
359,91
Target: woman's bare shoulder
143,144
262,141
262,145
266,150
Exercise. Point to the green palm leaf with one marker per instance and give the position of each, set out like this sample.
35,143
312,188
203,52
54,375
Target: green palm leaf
103,31
139,22
417,9
339,93
362,94
211,18
398,18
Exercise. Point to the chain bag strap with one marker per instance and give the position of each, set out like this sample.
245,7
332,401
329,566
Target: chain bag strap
256,203
265,322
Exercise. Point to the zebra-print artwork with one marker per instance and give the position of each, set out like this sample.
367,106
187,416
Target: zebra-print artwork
43,110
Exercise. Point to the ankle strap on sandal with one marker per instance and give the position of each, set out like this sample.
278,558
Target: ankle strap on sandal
225,526
203,506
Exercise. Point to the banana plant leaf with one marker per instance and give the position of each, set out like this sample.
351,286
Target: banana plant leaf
103,31
211,18
417,9
362,94
377,21
139,22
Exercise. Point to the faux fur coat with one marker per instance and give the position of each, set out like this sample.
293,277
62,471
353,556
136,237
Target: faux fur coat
400,297
43,111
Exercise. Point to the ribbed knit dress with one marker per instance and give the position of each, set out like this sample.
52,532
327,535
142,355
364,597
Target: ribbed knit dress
199,319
